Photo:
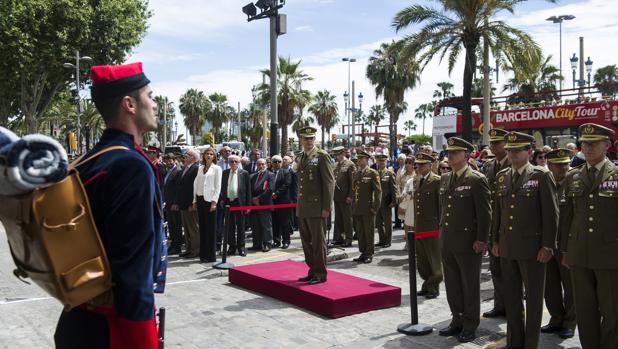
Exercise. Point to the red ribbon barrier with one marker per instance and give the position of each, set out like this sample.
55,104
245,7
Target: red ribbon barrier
427,234
261,207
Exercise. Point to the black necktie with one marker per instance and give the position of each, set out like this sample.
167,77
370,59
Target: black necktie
422,181
515,177
592,171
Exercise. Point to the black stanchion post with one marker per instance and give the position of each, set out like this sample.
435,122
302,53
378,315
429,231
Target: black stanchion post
161,328
224,264
413,328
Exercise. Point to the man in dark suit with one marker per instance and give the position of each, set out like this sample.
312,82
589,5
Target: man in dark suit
282,225
172,216
235,191
251,167
184,202
261,194
287,164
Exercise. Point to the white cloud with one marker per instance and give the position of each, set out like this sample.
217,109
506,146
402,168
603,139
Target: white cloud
304,28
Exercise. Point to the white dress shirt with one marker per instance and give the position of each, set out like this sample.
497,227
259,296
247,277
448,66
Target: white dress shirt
208,184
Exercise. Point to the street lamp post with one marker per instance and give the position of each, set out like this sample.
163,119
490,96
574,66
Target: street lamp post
559,20
77,97
175,130
347,93
278,26
588,71
574,60
346,98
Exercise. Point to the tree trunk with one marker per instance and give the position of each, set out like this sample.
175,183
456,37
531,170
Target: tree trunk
30,121
466,112
323,137
284,140
393,134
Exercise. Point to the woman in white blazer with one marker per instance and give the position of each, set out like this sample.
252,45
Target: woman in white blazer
206,189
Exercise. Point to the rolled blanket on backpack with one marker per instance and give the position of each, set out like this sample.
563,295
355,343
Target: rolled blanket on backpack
29,162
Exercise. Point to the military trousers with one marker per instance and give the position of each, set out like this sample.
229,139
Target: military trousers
496,279
596,306
559,294
429,263
343,222
462,278
384,223
365,234
314,245
523,328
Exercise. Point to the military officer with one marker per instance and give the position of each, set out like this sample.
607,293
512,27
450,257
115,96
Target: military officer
384,218
490,169
315,196
344,175
557,277
465,221
592,199
524,237
426,220
365,205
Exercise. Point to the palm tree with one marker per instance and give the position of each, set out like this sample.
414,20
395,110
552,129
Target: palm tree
194,105
409,125
219,113
445,90
462,24
324,108
291,97
252,126
532,75
91,122
424,111
392,76
606,79
165,110
377,113
299,123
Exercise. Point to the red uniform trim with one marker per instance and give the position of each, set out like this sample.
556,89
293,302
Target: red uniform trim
427,234
94,177
261,207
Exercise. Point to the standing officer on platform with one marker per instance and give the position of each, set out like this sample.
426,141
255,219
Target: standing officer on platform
315,196
592,249
561,308
427,213
465,221
344,175
365,205
524,237
384,218
490,169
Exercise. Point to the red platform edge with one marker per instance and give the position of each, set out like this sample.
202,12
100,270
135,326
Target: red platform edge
341,295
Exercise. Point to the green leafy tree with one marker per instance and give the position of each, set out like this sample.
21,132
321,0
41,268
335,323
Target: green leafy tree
300,122
445,90
219,113
409,126
194,105
457,25
165,112
376,115
291,97
38,36
324,109
606,79
424,111
534,78
392,76
252,126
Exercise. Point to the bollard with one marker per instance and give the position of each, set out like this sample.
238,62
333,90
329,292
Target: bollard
224,264
161,328
413,328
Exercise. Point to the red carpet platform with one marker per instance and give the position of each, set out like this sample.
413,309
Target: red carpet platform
341,295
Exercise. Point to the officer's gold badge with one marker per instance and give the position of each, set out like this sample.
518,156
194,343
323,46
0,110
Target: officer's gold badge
588,130
451,141
501,179
562,153
492,133
512,137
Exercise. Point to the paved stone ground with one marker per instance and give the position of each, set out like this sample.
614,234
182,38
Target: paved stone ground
205,311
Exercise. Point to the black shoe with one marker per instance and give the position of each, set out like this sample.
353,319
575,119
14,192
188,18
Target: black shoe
450,331
367,260
173,250
189,256
266,248
355,237
305,278
337,243
184,254
315,281
466,336
386,245
242,252
231,251
551,328
347,244
432,295
565,333
276,244
205,260
254,248
379,244
494,313
422,293
359,259
285,245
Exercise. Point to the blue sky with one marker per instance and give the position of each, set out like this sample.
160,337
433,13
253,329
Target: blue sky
209,45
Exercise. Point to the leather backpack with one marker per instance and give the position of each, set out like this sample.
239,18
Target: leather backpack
54,241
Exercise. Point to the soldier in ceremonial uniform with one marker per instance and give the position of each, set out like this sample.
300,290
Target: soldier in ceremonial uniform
465,221
524,237
560,305
315,196
365,205
123,190
591,246
344,175
427,220
384,218
490,169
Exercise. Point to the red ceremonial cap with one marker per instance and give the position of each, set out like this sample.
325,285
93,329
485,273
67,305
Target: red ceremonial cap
116,80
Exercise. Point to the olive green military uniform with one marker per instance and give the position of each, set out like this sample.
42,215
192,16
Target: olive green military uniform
490,170
465,217
525,220
344,176
384,218
366,202
592,246
315,193
427,219
561,306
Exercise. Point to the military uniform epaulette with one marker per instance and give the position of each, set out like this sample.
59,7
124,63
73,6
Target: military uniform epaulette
539,169
477,173
503,171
